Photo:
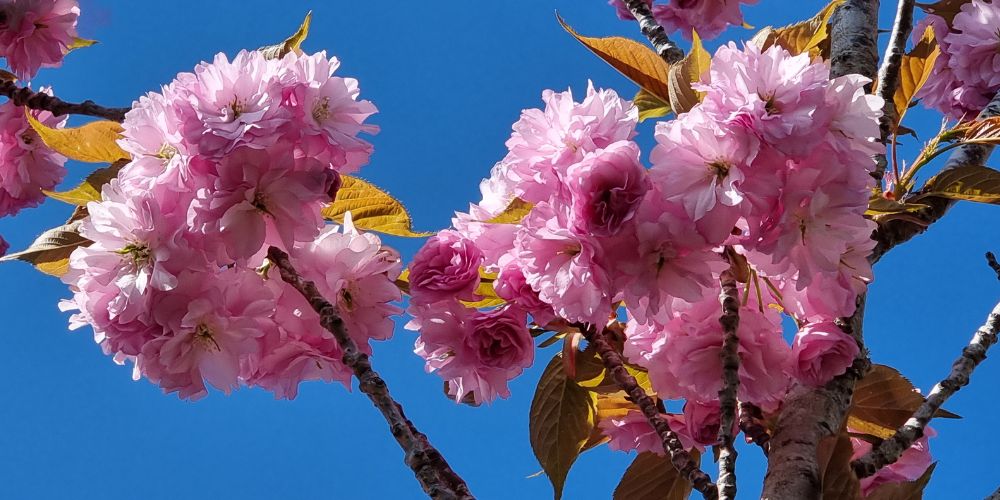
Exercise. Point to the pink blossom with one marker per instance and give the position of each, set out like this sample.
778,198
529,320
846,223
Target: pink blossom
512,286
546,142
476,352
830,296
36,34
565,268
210,326
910,466
820,352
447,266
708,17
703,420
631,432
27,165
606,187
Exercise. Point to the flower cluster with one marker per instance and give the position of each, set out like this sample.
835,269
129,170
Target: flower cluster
227,160
773,164
707,17
27,165
966,74
36,33
911,464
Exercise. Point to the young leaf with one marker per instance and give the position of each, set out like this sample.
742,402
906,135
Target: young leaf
79,43
95,142
50,252
652,477
971,183
908,490
634,60
650,106
839,480
983,131
291,44
371,209
486,291
514,213
811,35
560,422
887,399
879,206
684,73
90,189
914,71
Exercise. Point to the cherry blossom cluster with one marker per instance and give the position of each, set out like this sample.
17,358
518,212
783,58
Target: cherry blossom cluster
227,160
774,164
707,17
36,33
27,165
966,74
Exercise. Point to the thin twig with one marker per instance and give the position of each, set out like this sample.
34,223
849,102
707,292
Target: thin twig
729,298
891,449
23,96
750,423
679,457
991,260
652,29
888,77
436,477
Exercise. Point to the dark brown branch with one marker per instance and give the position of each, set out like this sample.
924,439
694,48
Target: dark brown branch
750,423
729,298
23,96
888,77
900,231
679,457
436,477
991,260
891,449
652,30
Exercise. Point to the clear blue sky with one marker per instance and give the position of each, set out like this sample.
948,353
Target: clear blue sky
449,78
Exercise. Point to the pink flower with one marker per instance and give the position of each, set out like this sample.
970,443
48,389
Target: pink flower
27,165
632,432
476,352
565,268
821,351
606,188
830,296
36,33
512,286
910,466
545,143
328,106
210,326
703,420
708,17
447,266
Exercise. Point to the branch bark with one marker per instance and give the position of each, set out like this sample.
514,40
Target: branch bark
889,451
899,231
751,417
730,321
888,77
23,96
668,50
808,415
436,477
679,457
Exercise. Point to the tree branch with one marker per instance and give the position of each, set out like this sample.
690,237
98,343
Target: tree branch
808,415
900,231
730,320
991,260
436,477
23,96
888,451
679,457
888,78
750,423
657,36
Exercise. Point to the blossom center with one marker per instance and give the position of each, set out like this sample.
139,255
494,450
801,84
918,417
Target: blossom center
720,168
137,253
770,105
321,111
572,250
204,338
346,300
236,108
260,201
166,152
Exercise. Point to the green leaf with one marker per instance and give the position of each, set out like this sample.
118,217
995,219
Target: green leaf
95,142
515,212
879,205
90,189
886,399
652,477
811,35
50,252
687,71
371,209
291,44
970,183
634,60
79,43
909,490
650,106
914,70
561,420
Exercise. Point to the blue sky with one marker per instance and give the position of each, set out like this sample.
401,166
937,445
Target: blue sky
449,78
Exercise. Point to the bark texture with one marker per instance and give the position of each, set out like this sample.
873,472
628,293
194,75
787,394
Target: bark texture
652,30
730,321
23,96
888,77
